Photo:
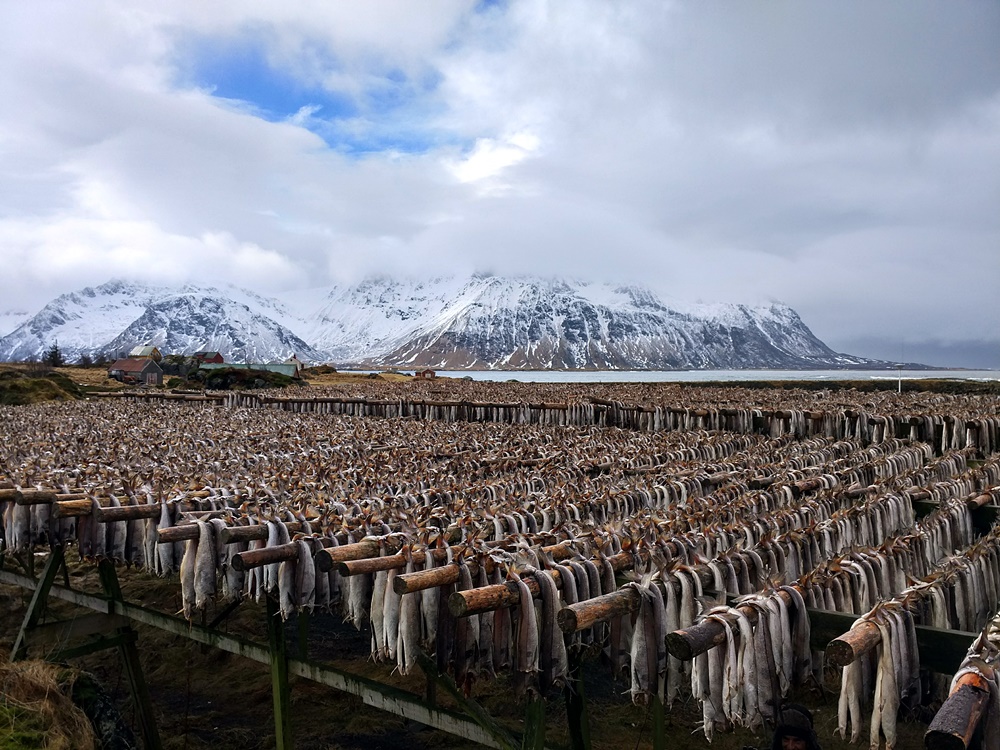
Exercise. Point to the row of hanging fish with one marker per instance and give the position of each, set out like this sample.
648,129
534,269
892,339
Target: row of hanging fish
960,593
673,497
947,432
854,581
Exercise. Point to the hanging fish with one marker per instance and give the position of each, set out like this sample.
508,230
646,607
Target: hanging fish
377,609
408,647
305,578
164,551
526,653
553,661
187,573
204,566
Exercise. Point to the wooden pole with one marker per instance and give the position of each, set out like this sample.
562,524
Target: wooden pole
71,508
534,724
407,583
36,607
367,547
687,643
130,656
587,613
255,558
253,532
279,677
507,594
128,512
35,497
954,725
847,648
371,564
577,715
486,598
656,707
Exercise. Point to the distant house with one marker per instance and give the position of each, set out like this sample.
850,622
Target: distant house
425,374
135,370
209,358
145,352
293,360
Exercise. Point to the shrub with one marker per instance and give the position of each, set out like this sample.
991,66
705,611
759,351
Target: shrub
53,357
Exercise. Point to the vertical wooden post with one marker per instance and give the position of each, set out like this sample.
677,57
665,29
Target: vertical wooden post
477,713
659,724
534,724
303,623
577,715
36,607
430,692
65,571
279,677
133,667
140,694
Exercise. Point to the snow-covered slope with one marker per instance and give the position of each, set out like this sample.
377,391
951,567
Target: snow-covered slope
481,321
118,315
191,322
531,323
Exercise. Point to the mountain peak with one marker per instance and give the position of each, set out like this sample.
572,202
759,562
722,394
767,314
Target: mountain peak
479,321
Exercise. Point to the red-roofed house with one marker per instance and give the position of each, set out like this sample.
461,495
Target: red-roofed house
209,358
136,371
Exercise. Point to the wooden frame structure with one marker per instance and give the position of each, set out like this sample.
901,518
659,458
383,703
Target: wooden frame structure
113,619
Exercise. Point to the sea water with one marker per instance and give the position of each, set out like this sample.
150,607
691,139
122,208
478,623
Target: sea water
701,376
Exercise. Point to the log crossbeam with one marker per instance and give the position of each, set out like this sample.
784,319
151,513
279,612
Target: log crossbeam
954,725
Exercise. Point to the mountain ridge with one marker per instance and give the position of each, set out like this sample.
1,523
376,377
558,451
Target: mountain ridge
477,322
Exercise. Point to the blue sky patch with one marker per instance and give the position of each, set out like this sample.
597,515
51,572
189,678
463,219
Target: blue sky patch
390,113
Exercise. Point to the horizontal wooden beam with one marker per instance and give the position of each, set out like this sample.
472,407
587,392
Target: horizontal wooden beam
385,697
63,631
100,644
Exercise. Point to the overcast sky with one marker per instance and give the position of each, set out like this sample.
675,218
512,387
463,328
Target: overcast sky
842,157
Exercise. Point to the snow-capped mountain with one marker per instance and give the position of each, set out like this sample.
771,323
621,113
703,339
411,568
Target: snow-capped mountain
187,323
482,321
531,323
114,317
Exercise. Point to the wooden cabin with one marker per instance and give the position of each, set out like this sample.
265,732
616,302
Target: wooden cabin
145,352
136,370
209,358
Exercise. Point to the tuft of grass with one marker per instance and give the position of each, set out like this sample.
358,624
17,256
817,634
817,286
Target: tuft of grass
20,728
35,705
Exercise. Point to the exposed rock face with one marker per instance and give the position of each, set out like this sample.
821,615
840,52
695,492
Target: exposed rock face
447,323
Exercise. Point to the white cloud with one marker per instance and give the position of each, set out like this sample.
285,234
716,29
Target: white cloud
490,157
843,158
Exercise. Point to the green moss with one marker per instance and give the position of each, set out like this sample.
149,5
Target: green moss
20,729
33,391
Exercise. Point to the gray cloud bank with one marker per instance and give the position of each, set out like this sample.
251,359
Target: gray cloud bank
843,158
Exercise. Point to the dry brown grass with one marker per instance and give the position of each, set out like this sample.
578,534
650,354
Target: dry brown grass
90,376
36,688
